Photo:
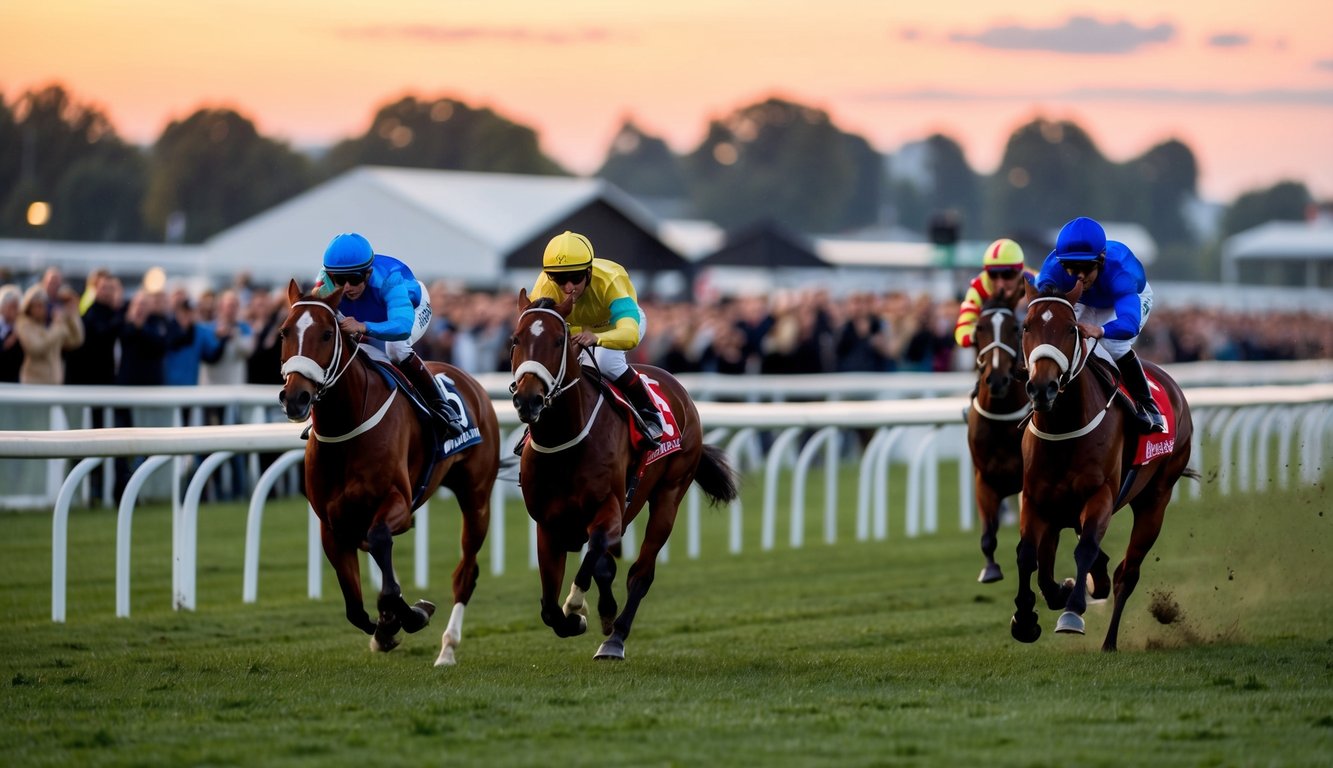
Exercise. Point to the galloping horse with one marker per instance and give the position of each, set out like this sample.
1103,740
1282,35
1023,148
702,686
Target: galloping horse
578,463
993,434
369,463
1079,455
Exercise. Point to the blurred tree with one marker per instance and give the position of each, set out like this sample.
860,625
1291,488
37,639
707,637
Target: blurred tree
1154,190
788,162
444,134
106,194
642,165
1051,172
931,176
44,138
1284,201
212,170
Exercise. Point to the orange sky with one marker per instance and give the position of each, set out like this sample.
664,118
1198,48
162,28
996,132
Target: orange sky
1252,96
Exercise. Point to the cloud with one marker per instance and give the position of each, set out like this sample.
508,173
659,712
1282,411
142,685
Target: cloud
1324,64
1078,35
1229,40
428,33
1263,96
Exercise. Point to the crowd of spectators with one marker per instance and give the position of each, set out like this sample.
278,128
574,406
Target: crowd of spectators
50,333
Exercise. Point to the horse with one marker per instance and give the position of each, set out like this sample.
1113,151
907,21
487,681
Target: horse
993,434
577,468
370,462
1079,468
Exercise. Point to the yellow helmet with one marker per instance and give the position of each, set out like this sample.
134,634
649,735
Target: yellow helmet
1003,254
567,252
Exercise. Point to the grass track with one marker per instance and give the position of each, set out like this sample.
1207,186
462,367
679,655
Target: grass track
878,653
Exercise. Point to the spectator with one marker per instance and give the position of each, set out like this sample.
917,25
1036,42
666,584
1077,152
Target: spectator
94,362
11,352
46,331
143,349
236,344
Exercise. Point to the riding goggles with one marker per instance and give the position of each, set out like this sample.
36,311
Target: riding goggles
349,278
564,278
1003,274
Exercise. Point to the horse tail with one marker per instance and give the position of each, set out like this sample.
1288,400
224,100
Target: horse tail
1191,473
716,476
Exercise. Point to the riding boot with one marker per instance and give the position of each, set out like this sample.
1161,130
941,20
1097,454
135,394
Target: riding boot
449,422
1131,370
634,388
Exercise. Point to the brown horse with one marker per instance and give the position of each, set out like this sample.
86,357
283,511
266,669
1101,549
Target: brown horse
369,463
993,434
576,468
1078,455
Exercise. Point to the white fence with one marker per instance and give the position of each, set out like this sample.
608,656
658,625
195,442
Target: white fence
1241,421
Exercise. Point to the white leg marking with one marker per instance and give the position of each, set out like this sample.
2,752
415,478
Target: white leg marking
453,635
575,603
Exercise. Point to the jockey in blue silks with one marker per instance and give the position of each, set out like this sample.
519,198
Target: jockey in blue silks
1114,305
382,299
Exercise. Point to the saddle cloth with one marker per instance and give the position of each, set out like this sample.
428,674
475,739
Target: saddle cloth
1153,444
670,442
394,378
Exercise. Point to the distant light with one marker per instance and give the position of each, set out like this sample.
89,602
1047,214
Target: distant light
1018,177
726,154
39,213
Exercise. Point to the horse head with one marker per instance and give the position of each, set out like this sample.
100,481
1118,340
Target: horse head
998,343
312,349
1052,344
542,359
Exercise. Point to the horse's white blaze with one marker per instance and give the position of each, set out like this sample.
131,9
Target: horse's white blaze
303,324
453,635
997,327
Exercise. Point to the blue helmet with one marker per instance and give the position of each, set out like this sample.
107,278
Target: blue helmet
1080,240
348,253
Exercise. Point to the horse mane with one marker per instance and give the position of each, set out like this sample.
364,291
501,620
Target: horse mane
545,302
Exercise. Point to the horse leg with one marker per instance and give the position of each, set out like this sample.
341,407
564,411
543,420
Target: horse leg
1100,577
476,523
988,510
1055,594
551,564
1148,514
348,568
1095,520
605,574
1023,626
395,613
661,519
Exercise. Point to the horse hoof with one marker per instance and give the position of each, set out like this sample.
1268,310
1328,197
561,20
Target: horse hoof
1070,623
990,574
446,658
611,650
426,606
1024,633
383,645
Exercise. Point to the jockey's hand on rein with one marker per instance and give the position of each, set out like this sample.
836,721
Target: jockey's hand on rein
585,339
1090,330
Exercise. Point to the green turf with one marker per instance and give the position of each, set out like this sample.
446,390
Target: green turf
860,653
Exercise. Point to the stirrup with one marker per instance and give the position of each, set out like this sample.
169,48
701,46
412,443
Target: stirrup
652,426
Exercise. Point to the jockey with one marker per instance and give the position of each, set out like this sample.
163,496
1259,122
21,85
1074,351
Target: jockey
1002,268
1115,302
606,317
383,300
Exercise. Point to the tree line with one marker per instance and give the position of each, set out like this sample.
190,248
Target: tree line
774,159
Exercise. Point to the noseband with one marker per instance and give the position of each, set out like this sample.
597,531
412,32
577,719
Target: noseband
324,376
997,316
1069,369
555,385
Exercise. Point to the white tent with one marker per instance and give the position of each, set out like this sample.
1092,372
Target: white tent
447,224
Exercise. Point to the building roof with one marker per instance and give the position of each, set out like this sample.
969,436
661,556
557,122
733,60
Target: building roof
1282,240
447,224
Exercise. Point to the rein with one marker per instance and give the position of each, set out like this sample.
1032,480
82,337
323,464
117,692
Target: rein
327,376
1069,370
555,385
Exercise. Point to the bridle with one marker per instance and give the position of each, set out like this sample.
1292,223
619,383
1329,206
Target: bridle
326,376
555,384
997,317
1069,370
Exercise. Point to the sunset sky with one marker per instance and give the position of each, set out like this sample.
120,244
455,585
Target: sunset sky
1249,86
